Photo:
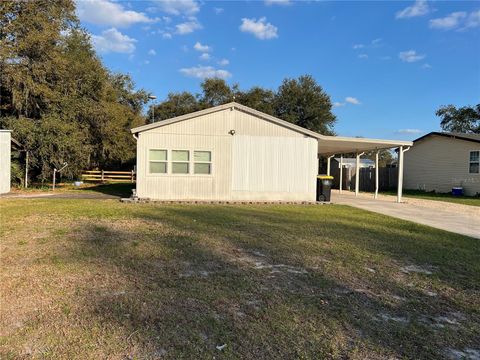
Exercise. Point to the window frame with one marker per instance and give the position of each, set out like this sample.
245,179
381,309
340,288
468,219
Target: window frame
181,162
202,162
157,161
191,163
470,162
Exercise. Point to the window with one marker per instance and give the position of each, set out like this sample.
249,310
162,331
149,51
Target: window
180,161
157,161
474,162
202,162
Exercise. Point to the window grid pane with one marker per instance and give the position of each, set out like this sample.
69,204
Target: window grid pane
474,156
180,155
204,156
202,168
474,168
158,167
159,155
180,168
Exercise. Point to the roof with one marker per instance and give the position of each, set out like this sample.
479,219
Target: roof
460,136
326,145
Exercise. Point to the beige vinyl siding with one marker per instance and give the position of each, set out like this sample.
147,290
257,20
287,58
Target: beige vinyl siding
211,133
274,167
440,163
5,144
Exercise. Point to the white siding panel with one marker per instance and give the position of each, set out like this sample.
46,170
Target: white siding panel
181,187
279,167
286,169
439,163
5,144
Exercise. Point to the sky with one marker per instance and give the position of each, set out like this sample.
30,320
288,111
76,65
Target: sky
387,65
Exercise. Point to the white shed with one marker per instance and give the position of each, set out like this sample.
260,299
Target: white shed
233,152
5,144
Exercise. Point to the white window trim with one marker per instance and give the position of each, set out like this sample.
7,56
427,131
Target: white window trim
474,162
202,162
181,162
191,162
158,161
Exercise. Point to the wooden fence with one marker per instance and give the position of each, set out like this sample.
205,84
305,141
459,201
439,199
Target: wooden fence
108,176
387,178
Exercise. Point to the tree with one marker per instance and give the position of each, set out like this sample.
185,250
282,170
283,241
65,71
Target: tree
57,96
257,98
303,102
176,104
462,120
215,92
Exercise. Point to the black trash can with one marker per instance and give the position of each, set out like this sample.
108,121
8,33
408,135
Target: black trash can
324,187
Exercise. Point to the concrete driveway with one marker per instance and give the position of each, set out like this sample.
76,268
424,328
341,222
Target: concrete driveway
461,219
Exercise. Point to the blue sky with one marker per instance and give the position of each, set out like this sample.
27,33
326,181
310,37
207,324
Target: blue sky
387,65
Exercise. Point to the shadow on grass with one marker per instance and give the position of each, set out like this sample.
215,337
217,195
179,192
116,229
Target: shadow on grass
123,190
197,277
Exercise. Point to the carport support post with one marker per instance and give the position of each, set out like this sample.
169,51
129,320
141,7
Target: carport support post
357,173
400,174
328,164
376,175
341,173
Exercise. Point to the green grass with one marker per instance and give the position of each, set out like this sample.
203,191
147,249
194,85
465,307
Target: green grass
419,194
94,279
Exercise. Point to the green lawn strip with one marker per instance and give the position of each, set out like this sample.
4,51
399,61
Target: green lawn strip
464,200
151,280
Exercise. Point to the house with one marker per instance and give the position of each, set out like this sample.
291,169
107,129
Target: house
440,161
6,143
234,153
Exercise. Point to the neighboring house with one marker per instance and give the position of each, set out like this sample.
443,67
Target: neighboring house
6,143
352,162
232,152
439,161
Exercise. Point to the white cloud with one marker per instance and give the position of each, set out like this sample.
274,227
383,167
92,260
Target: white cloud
203,48
205,56
358,46
223,62
410,56
352,100
419,8
166,35
338,104
448,22
363,56
104,12
112,40
179,7
426,66
473,19
260,29
188,27
218,10
409,131
277,2
152,52
202,72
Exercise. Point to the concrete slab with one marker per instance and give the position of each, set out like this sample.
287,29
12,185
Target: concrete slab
457,218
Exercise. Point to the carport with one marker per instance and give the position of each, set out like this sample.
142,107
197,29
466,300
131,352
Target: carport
330,146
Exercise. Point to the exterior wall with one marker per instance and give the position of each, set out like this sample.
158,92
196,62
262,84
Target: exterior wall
440,163
270,176
5,161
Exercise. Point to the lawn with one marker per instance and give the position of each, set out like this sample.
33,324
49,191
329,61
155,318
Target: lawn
465,200
98,279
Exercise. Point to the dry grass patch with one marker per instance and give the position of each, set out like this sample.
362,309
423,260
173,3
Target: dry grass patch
83,279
